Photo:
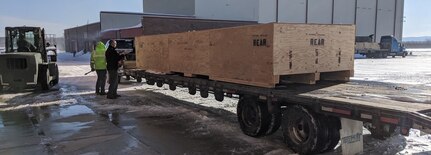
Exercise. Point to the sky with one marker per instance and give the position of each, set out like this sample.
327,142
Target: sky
57,15
417,15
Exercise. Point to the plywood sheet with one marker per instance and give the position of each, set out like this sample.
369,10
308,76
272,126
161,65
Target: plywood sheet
243,55
189,52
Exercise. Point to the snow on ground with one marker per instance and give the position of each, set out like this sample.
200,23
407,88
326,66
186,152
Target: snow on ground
414,70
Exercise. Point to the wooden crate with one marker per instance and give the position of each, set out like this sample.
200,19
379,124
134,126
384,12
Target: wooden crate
189,53
129,64
152,53
259,55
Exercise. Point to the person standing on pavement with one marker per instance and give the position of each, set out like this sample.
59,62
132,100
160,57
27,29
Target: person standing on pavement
113,60
98,64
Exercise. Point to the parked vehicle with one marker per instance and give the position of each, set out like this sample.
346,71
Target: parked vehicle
26,61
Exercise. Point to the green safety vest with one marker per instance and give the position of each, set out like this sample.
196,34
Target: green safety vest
98,60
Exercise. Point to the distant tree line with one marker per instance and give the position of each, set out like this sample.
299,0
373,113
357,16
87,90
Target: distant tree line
418,44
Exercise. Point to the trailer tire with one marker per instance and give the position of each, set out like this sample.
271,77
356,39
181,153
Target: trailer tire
334,126
303,131
172,87
150,82
253,117
204,93
192,90
138,79
382,133
219,95
159,83
275,123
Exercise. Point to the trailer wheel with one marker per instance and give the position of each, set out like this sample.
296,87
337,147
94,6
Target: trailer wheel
204,93
150,82
172,87
275,123
192,90
138,79
393,56
303,131
44,78
159,83
333,125
253,117
219,95
382,132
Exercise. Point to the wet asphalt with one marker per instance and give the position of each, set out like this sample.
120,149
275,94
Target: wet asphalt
71,119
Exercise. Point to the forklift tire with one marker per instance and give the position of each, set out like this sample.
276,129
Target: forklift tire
56,76
44,78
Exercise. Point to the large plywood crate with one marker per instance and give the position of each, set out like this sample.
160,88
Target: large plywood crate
259,55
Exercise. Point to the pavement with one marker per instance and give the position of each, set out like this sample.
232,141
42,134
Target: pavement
71,119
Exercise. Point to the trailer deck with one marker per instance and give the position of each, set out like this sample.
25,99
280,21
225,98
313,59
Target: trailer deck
376,103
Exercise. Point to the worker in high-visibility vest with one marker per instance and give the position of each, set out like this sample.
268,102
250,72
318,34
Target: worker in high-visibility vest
98,64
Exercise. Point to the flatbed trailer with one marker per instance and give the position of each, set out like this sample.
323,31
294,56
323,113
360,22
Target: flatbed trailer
316,109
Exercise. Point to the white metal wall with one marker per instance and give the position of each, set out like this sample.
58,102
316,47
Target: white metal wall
114,20
385,18
366,17
378,17
246,10
185,7
344,11
319,11
292,11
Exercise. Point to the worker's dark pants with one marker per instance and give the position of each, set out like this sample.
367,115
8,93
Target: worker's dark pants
113,83
101,80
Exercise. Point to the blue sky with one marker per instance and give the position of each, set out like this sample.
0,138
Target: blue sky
56,15
417,15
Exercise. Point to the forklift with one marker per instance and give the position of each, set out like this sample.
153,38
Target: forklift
26,61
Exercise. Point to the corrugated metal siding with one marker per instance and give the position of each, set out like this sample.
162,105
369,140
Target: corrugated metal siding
366,17
186,7
385,18
399,19
245,10
344,11
292,11
267,11
319,11
114,20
